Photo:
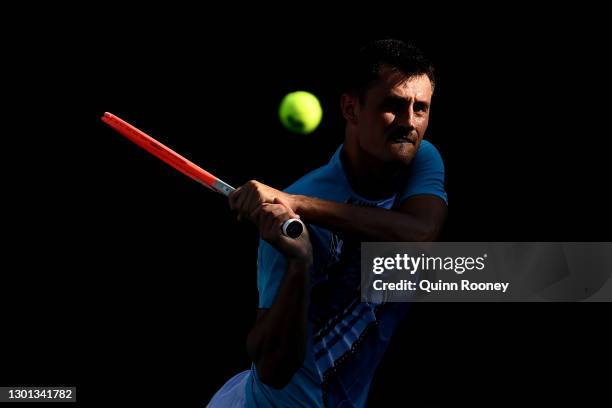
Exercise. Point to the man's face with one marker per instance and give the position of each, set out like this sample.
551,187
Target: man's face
392,118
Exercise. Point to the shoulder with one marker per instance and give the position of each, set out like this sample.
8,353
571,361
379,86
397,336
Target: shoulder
426,174
326,182
427,155
309,181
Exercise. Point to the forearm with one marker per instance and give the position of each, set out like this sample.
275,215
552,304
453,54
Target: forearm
277,343
365,223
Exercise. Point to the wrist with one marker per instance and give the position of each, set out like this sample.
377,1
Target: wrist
300,263
298,204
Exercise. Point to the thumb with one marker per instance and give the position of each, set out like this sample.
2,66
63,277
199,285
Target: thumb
282,202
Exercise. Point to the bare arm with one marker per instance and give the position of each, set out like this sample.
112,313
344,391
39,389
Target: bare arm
277,342
420,218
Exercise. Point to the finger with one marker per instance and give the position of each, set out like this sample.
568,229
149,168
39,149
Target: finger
256,215
231,198
239,202
244,205
268,223
252,201
281,215
276,214
257,197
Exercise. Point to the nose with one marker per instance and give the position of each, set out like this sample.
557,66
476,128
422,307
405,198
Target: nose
407,117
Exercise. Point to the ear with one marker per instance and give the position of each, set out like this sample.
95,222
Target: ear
349,105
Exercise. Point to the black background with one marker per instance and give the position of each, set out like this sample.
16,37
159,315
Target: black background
132,282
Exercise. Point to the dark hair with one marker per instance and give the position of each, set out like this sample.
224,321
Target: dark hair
363,68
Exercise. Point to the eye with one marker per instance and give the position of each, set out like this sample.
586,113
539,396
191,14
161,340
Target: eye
394,105
420,107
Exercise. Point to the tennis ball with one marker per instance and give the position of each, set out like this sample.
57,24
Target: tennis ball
300,112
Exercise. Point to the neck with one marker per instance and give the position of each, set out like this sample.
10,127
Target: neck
368,176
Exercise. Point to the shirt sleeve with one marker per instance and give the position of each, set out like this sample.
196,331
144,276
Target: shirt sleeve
427,174
271,267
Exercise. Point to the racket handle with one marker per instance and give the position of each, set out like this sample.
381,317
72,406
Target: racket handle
293,228
222,187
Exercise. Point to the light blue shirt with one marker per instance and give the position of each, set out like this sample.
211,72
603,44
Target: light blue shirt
346,338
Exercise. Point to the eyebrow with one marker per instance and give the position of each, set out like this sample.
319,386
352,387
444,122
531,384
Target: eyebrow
397,98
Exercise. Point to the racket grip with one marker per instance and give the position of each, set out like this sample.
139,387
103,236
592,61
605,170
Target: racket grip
293,228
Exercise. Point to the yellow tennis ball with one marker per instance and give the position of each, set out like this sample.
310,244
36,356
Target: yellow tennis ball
300,112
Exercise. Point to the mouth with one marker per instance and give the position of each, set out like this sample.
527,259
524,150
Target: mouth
403,139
